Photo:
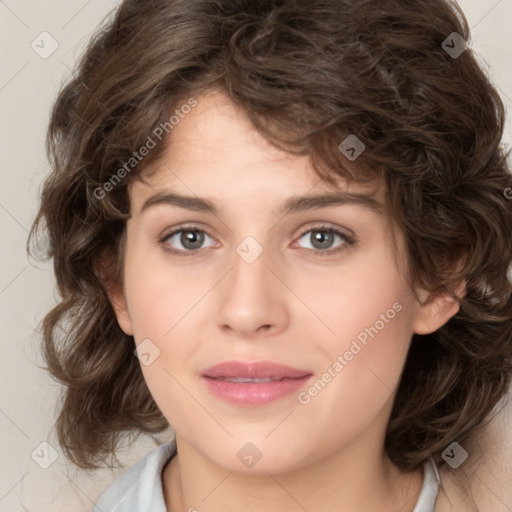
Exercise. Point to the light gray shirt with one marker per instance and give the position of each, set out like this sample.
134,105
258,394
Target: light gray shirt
140,488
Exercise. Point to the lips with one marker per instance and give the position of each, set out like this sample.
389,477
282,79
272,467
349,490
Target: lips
253,383
252,372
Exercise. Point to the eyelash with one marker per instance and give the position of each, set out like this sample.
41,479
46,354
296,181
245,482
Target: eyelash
347,239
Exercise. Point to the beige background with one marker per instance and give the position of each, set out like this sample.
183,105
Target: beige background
28,84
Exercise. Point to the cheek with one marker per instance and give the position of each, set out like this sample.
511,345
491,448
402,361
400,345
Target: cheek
165,306
366,298
160,295
354,391
369,310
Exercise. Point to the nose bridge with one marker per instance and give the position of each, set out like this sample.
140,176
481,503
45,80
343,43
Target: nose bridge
251,296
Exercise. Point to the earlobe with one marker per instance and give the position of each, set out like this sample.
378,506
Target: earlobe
435,310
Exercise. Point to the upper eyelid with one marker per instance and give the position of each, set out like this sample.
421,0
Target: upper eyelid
185,227
326,226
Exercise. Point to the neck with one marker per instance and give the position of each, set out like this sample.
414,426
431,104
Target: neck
351,477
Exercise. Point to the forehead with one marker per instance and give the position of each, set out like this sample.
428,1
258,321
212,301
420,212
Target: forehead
215,151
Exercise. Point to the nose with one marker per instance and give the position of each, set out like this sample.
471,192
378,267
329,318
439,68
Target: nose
252,300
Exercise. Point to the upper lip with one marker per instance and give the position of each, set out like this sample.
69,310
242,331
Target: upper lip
254,370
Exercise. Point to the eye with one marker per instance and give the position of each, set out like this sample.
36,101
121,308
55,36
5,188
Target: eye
324,240
327,240
185,240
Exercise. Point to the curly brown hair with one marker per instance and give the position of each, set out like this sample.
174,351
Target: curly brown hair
308,73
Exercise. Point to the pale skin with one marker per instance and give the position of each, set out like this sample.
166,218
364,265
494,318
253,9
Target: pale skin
293,305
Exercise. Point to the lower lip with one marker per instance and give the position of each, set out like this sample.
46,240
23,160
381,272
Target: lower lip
257,393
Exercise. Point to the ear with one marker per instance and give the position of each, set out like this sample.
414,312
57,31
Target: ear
117,298
107,268
435,309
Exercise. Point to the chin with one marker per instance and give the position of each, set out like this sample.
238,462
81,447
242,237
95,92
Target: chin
258,458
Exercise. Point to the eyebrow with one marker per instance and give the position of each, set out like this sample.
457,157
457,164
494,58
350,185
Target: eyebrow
197,204
293,204
313,202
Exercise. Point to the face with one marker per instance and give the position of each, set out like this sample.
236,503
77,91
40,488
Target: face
268,325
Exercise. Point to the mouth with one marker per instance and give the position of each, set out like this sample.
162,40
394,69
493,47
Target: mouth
252,371
243,380
253,383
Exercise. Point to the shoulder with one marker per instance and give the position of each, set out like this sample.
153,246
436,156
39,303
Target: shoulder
141,485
